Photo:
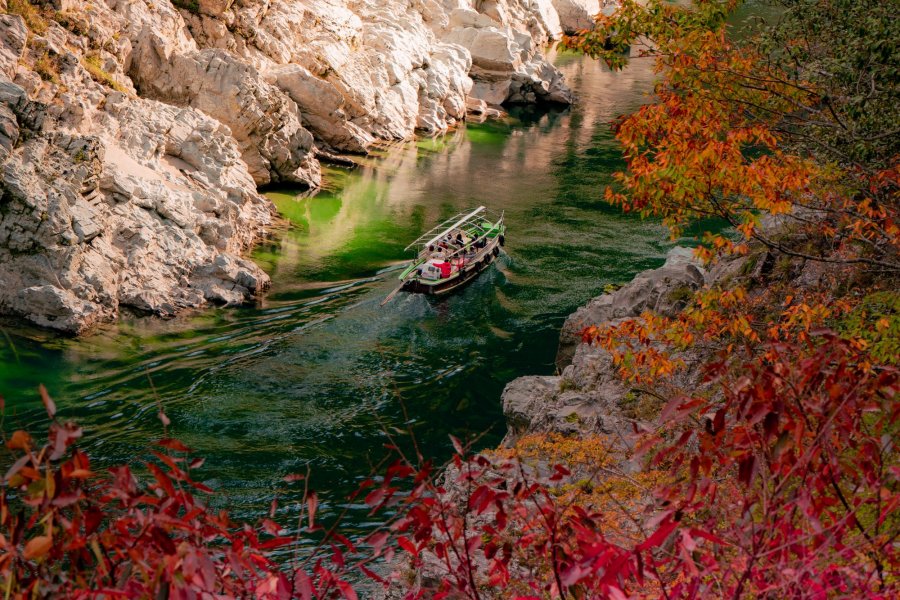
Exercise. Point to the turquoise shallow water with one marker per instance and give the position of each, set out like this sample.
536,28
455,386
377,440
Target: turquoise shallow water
317,373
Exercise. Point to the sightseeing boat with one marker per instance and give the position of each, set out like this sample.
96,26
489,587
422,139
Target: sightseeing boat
453,253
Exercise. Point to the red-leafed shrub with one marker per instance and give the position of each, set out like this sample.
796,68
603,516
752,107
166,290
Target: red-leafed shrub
68,531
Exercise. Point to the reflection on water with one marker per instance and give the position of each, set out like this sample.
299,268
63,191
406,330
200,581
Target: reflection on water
315,374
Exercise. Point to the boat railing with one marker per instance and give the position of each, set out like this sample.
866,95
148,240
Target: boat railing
431,231
443,228
497,225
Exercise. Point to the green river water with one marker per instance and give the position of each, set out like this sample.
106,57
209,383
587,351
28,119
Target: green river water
314,374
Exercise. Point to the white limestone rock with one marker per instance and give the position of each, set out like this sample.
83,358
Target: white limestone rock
576,15
129,164
135,212
506,40
13,36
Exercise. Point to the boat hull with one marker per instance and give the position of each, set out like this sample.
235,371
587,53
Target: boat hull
445,287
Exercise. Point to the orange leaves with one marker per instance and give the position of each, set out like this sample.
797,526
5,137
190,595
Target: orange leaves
20,440
38,547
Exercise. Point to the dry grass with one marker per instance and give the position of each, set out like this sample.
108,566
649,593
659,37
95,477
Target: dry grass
47,68
33,16
98,74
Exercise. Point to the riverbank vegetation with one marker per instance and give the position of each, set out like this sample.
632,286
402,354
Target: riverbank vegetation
773,474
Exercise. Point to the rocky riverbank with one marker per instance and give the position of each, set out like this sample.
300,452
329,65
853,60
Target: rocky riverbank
588,396
134,133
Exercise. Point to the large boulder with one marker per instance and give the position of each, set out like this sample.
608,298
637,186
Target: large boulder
576,15
491,49
263,120
322,105
552,404
506,41
665,290
138,212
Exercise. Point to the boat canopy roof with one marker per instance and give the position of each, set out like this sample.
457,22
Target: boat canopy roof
433,235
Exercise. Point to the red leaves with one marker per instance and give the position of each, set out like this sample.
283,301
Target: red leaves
658,537
129,538
405,543
162,540
377,541
61,437
457,445
768,465
747,470
173,444
376,497
162,479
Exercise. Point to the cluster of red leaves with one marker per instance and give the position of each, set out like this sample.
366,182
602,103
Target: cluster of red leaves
808,432
68,531
788,487
496,528
784,483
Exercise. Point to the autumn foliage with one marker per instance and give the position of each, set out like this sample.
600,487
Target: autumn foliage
67,530
743,131
770,467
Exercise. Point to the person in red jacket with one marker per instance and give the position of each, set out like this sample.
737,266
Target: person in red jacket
445,269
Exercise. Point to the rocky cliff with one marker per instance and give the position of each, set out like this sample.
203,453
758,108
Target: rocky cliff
134,133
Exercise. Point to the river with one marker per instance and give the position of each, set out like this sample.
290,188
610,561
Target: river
317,375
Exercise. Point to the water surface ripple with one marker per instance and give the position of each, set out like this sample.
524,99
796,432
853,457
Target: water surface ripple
314,375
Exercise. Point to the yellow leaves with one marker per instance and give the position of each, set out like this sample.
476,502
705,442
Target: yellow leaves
553,447
805,316
704,254
598,483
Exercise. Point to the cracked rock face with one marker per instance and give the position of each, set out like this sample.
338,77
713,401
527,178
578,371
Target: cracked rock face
148,207
665,290
134,133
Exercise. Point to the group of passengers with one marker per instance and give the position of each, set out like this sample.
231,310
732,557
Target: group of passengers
457,245
451,253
